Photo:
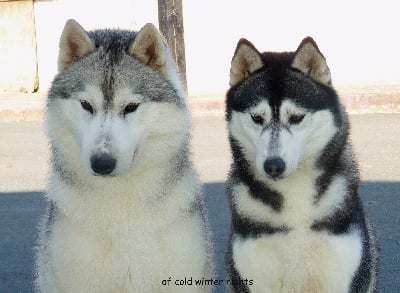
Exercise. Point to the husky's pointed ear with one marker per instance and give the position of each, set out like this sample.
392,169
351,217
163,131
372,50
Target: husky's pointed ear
245,61
75,44
310,61
150,48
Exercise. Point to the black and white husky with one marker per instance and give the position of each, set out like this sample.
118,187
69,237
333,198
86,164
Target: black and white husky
298,223
125,205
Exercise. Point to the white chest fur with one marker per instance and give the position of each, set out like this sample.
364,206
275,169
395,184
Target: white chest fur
301,260
109,243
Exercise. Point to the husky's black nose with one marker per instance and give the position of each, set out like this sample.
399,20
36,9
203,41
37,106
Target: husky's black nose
274,167
102,164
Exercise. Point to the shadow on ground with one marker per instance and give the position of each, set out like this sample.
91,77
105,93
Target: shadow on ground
20,214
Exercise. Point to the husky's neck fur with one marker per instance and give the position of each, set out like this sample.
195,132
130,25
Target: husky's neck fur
307,198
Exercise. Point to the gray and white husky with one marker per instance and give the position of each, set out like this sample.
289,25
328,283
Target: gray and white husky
298,223
125,205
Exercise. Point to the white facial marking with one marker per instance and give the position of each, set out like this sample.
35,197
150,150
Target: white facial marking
108,131
295,138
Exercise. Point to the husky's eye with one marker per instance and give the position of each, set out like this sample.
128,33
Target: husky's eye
86,106
258,119
296,119
131,107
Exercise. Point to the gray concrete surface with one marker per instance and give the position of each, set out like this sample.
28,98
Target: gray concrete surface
23,170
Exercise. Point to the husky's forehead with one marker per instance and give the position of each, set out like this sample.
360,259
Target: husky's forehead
277,84
112,42
111,69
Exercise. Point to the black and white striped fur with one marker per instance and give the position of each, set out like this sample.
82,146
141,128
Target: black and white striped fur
298,223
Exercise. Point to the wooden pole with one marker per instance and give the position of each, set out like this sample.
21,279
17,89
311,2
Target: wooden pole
170,18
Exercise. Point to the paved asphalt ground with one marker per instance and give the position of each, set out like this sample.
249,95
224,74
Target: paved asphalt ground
23,170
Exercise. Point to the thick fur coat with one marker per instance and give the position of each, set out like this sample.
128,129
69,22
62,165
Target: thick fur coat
298,223
125,207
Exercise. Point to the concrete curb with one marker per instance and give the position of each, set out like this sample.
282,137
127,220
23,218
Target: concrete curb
356,99
16,106
361,99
